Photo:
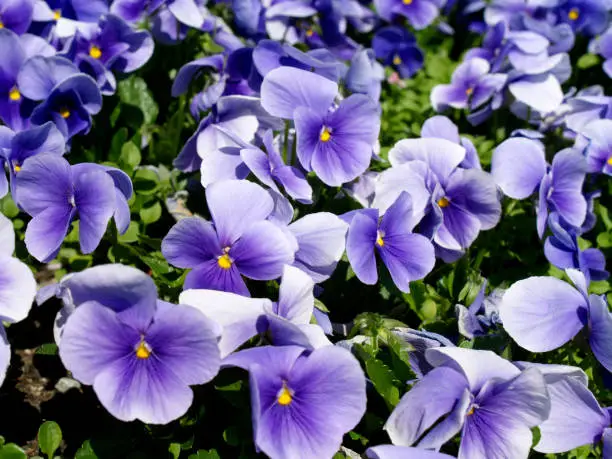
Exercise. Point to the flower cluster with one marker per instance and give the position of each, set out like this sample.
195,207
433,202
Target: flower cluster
274,182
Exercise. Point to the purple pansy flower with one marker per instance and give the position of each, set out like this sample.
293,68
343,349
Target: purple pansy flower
519,168
302,402
575,418
403,452
407,256
397,47
113,47
597,136
15,148
15,109
490,401
602,45
69,97
587,16
55,194
441,127
239,241
544,313
270,169
481,315
420,13
321,241
17,289
563,251
70,16
16,15
140,354
336,144
471,86
287,321
456,203
365,74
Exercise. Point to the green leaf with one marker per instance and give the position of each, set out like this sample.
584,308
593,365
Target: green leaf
202,454
85,451
131,235
146,181
587,61
12,451
134,91
130,157
151,214
49,438
175,450
47,349
382,378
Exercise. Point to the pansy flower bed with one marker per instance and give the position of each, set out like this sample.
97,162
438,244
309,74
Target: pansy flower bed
305,229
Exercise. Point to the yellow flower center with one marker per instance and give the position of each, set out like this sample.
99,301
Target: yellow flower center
14,94
57,14
472,409
573,14
379,239
309,32
16,168
407,2
284,396
609,161
1,25
325,135
469,91
224,261
143,351
64,113
95,52
443,202
397,60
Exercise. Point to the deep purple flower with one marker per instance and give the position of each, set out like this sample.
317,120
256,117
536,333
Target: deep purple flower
239,241
113,47
544,313
15,148
490,401
398,47
55,194
17,289
420,13
471,86
140,354
587,16
69,97
16,15
286,322
408,256
270,169
563,251
302,403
